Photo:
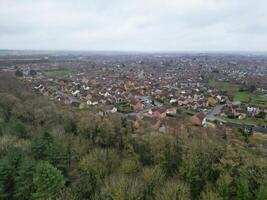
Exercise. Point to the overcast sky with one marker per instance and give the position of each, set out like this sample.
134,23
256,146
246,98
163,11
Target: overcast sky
134,25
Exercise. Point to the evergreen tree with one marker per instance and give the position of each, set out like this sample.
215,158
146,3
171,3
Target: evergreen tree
19,129
44,148
262,193
42,145
47,181
223,183
242,190
24,180
9,165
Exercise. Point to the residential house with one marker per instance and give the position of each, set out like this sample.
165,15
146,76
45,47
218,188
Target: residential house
197,119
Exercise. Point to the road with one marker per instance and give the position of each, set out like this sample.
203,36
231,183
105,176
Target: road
216,111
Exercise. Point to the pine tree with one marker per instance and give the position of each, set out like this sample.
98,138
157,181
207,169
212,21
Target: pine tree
242,191
262,193
8,169
24,180
42,145
19,129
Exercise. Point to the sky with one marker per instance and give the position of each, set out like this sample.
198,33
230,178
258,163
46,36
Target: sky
134,25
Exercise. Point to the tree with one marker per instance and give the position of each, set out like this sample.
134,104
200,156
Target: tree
1,127
9,165
210,195
152,178
19,129
24,111
171,158
106,137
87,126
32,72
85,185
242,190
100,162
130,166
94,167
47,181
175,190
70,125
120,127
252,88
199,164
42,145
7,103
143,149
262,193
261,115
18,73
121,187
69,194
223,183
58,157
24,180
44,148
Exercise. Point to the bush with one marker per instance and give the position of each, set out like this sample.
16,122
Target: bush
130,166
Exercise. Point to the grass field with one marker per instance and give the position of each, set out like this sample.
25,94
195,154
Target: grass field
247,121
59,72
187,111
123,107
228,87
250,98
244,97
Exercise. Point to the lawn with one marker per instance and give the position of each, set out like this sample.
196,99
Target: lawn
247,121
240,121
59,72
233,90
189,112
229,88
123,107
251,99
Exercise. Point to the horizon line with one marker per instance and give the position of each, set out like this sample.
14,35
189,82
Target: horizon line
139,51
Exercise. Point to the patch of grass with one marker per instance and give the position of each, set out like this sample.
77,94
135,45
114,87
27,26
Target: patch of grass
230,88
59,72
247,121
233,90
251,99
123,107
188,113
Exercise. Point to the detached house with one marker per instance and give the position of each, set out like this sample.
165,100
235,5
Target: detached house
171,111
197,119
160,113
138,106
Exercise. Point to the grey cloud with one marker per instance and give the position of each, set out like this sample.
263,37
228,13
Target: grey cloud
151,25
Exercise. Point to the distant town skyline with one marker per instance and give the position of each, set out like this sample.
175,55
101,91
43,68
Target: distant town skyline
134,25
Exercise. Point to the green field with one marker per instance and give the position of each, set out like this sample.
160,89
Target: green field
123,107
251,99
247,121
232,89
187,111
228,87
59,72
